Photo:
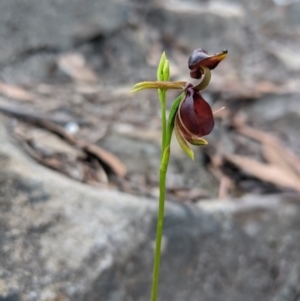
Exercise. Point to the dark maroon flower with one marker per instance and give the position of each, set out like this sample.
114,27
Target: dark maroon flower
191,116
194,118
200,59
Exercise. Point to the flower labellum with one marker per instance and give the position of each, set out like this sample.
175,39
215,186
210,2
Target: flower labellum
200,59
194,119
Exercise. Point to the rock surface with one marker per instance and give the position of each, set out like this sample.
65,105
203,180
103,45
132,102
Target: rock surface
114,33
61,240
54,230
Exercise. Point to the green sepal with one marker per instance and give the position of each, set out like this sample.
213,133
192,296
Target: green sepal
172,116
158,85
160,69
185,147
198,141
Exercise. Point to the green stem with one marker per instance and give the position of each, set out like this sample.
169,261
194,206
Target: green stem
160,222
165,156
162,98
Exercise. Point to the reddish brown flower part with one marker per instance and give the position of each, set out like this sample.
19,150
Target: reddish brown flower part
201,59
194,117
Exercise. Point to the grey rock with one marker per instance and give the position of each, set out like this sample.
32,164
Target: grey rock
271,107
214,25
61,240
278,114
115,35
33,33
32,26
259,36
51,235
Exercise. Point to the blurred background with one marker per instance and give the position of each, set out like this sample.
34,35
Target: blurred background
79,154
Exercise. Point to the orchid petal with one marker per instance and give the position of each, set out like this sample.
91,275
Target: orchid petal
157,85
204,115
197,141
195,115
200,59
187,115
184,146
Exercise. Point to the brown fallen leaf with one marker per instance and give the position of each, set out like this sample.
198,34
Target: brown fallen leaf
225,186
192,195
53,152
265,172
106,157
274,151
16,92
232,88
44,139
94,173
111,161
275,157
70,168
75,65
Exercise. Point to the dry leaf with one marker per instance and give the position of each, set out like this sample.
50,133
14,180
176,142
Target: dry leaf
74,65
290,159
274,156
103,156
265,172
16,92
225,185
111,160
192,195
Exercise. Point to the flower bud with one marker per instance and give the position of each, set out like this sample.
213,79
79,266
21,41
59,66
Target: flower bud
166,71
161,65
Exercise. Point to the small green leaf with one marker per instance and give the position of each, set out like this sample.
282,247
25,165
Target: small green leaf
185,147
172,115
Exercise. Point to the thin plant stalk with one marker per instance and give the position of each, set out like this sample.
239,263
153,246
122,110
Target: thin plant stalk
165,156
196,112
162,98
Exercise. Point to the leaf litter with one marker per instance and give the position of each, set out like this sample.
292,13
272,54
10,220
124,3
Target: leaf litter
43,115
